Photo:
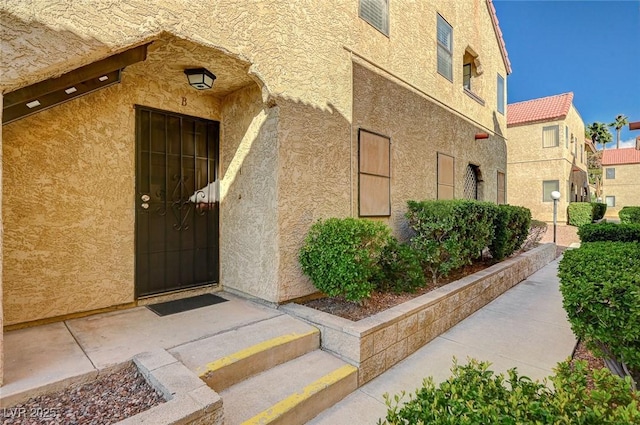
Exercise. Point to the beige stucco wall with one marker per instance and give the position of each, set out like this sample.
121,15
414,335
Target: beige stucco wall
529,164
300,53
1,261
625,187
70,180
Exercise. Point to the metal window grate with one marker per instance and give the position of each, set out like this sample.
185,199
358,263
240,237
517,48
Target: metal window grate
471,183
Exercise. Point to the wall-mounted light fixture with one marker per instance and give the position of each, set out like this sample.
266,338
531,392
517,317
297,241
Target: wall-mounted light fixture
481,136
200,78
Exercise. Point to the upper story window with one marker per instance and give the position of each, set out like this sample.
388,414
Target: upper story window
466,76
376,12
500,89
610,173
566,136
550,136
445,49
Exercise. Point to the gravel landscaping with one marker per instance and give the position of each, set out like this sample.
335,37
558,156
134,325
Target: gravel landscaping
109,399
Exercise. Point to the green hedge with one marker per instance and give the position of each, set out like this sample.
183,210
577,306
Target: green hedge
511,227
629,215
475,395
580,213
342,256
599,209
600,285
401,269
598,232
450,233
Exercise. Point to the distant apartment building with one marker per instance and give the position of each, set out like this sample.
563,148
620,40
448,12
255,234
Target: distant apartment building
621,179
546,152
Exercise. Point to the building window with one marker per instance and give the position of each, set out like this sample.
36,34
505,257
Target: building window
376,12
550,136
582,153
445,49
566,136
466,76
611,173
374,174
549,186
500,94
502,192
610,200
445,176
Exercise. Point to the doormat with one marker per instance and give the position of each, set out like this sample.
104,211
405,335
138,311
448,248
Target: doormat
186,304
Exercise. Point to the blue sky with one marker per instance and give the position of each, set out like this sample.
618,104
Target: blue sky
591,48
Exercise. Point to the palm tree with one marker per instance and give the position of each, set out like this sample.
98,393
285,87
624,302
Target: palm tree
620,122
599,132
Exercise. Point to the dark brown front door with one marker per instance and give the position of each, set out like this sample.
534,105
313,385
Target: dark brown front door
176,238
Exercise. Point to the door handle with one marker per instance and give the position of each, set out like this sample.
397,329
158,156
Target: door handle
144,206
145,198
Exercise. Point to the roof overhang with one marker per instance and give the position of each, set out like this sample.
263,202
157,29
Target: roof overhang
46,94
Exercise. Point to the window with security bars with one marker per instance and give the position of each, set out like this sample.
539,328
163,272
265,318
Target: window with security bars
374,175
471,182
376,12
502,192
550,136
445,176
549,186
445,48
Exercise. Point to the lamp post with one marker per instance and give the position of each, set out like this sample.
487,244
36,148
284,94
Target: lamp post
555,195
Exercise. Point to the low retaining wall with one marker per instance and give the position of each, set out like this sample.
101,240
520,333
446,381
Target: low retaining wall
376,343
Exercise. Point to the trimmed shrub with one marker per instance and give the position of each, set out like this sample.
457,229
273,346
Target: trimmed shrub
599,209
600,285
450,233
476,395
629,215
511,228
341,256
580,213
537,229
401,269
599,232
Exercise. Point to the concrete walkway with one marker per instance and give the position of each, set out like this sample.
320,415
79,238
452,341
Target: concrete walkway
525,328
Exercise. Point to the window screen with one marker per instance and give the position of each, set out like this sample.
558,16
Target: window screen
374,175
445,176
376,12
500,94
549,186
550,136
445,48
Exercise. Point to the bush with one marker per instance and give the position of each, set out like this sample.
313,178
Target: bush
600,285
599,232
511,227
537,229
341,256
401,269
629,215
450,233
599,209
580,213
475,395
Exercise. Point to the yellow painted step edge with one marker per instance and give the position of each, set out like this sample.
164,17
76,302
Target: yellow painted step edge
250,351
307,392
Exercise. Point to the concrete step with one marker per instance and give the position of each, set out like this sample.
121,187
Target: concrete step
230,357
292,393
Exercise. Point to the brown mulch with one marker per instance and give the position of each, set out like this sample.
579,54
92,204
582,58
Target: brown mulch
109,399
380,301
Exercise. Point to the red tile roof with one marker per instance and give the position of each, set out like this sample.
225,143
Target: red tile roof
542,109
620,156
496,27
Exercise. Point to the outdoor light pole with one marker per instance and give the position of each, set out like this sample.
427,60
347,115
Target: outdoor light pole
555,195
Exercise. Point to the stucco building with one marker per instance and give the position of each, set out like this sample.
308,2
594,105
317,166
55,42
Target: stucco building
621,179
319,109
546,153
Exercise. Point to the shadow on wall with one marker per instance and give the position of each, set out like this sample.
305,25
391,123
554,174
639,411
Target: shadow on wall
32,41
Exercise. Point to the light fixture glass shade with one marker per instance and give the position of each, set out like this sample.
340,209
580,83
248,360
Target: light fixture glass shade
200,78
555,195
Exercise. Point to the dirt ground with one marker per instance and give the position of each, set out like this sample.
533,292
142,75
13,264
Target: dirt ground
565,235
